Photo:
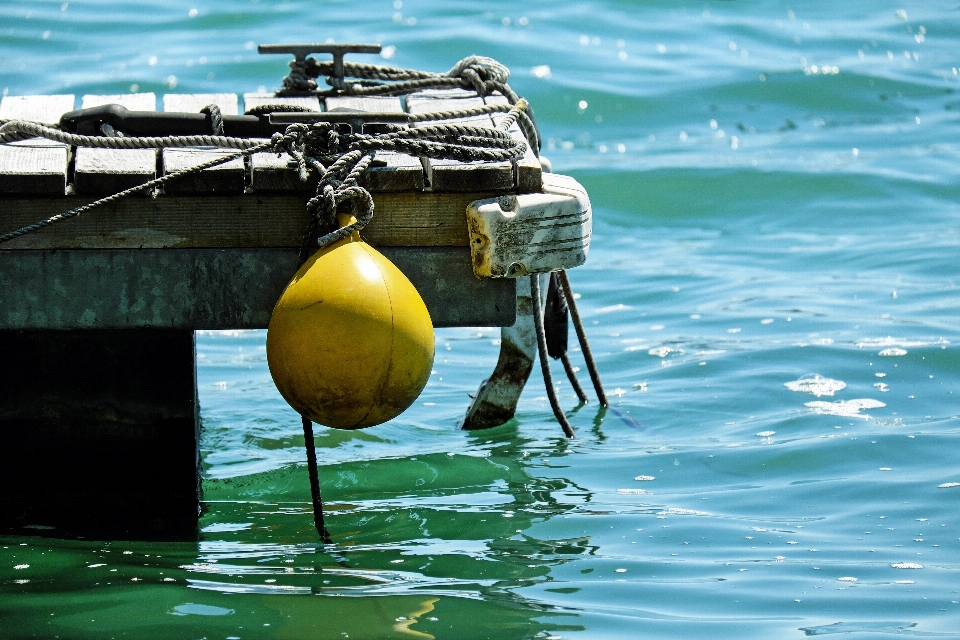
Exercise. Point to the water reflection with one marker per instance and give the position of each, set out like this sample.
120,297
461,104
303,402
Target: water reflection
432,536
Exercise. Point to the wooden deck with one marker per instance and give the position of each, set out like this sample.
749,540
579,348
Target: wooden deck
234,228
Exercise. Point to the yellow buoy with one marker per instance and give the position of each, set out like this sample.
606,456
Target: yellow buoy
350,342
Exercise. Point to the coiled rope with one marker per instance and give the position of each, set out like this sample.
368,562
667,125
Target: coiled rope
482,75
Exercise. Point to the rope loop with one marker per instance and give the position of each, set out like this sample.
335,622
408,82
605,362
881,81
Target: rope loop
216,118
299,79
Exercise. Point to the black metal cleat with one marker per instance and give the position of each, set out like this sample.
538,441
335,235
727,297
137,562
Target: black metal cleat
299,82
90,122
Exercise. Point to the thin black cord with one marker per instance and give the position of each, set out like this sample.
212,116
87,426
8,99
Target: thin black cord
572,377
314,480
544,358
582,335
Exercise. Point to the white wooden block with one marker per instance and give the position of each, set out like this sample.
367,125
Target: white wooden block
373,104
132,101
194,102
513,236
225,178
45,109
26,170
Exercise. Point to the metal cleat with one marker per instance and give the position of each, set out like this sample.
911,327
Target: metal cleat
298,82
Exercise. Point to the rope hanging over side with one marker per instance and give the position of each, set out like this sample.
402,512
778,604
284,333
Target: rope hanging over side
216,118
316,500
544,361
313,147
551,329
564,281
556,322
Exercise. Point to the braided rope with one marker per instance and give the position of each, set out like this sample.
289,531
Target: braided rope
485,76
216,118
458,114
264,109
313,146
14,130
147,186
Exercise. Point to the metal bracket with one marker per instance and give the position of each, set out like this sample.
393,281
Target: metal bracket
496,400
359,121
301,51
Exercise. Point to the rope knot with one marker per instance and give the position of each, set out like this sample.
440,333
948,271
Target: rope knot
333,140
476,81
216,118
486,68
299,80
329,199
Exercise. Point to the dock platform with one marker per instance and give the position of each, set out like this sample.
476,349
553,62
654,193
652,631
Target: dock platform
99,414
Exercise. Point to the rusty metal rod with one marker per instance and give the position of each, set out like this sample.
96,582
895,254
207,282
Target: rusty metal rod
544,358
572,377
582,336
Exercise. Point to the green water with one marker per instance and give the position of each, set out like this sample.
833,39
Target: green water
775,193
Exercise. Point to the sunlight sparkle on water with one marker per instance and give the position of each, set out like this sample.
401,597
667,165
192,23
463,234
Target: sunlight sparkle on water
817,385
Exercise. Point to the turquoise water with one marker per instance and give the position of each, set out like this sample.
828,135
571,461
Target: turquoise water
775,192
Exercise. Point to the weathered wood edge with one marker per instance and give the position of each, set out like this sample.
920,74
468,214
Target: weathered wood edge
34,172
214,288
409,218
36,166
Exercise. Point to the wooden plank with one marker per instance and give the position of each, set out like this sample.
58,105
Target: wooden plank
224,179
26,170
450,175
375,104
214,288
419,219
45,109
529,174
277,172
399,171
252,220
36,166
102,171
194,102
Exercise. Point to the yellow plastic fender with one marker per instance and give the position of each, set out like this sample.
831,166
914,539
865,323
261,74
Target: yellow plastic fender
350,342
